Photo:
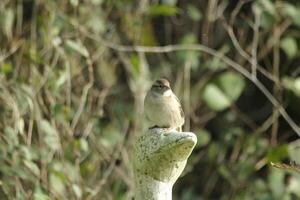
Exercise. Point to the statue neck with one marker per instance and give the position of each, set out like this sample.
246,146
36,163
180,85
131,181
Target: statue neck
149,188
159,158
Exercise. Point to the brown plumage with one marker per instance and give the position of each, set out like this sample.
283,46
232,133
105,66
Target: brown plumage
162,107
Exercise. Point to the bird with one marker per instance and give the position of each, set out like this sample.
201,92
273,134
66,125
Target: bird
162,107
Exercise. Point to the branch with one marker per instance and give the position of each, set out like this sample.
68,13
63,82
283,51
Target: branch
292,166
212,52
203,48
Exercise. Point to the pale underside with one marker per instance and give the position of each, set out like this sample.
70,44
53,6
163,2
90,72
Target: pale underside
164,111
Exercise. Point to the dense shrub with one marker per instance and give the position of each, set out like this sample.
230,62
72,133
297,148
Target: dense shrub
74,74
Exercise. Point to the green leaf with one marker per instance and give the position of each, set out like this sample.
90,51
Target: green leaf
260,185
267,20
63,76
268,12
276,182
292,84
57,185
111,136
292,12
74,2
288,9
77,191
213,151
84,145
56,41
107,73
245,169
21,125
6,68
225,173
297,84
135,65
230,134
50,135
32,167
190,56
147,35
294,185
8,22
169,2
278,153
289,46
29,152
215,98
164,10
12,136
267,5
294,150
232,84
215,63
203,137
194,13
20,195
39,195
23,174
97,23
97,2
223,91
78,47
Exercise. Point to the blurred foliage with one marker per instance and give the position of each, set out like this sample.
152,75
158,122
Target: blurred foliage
71,98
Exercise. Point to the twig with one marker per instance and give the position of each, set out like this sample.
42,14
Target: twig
245,55
267,123
292,166
208,50
186,93
276,87
255,44
12,50
81,105
243,117
268,47
85,92
237,10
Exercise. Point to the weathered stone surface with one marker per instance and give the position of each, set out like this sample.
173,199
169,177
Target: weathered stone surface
159,158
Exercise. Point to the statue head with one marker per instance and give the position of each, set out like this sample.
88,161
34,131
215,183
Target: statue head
163,155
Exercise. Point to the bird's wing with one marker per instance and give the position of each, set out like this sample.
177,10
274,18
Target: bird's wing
181,112
179,104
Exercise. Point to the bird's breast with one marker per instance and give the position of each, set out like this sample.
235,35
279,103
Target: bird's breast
163,110
167,93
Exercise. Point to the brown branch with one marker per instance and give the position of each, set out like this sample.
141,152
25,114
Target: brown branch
291,166
212,52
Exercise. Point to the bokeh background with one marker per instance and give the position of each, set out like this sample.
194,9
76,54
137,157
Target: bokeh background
74,74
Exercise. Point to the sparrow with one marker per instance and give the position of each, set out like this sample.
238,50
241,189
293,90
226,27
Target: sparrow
162,108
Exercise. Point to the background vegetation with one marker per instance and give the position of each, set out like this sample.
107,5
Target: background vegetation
74,73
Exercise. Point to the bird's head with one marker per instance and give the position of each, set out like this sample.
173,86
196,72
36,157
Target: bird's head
161,86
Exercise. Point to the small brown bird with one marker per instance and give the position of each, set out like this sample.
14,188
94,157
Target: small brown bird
162,107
